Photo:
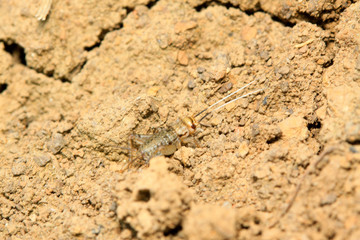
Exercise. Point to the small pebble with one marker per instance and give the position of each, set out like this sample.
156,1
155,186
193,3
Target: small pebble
126,234
152,91
183,58
18,168
216,120
227,204
56,144
243,149
242,122
260,79
225,87
243,103
191,84
97,230
184,25
64,127
218,74
352,132
294,127
264,102
320,61
163,41
353,149
284,70
76,229
42,159
200,69
113,207
261,172
264,55
205,77
255,130
284,86
303,50
328,200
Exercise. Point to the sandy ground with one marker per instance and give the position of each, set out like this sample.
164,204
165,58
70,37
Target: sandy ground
73,89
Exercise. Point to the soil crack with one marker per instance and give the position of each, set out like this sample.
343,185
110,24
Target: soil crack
116,27
18,54
256,8
299,16
15,50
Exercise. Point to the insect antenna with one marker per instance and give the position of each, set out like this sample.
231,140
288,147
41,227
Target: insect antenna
223,99
223,105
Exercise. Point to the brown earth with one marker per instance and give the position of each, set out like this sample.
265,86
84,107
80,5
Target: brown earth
74,87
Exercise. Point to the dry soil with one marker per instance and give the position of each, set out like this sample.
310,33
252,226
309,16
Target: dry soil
74,87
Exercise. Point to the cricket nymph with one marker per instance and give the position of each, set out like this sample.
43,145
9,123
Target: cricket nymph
165,141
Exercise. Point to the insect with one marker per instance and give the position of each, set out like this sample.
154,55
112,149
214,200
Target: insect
165,141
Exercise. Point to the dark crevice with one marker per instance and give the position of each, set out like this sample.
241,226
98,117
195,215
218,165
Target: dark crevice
50,74
357,142
244,226
308,18
273,140
328,63
329,45
207,4
173,231
281,21
314,125
16,51
314,128
3,87
64,80
124,225
301,16
323,23
143,195
105,31
128,10
76,70
102,35
151,4
257,8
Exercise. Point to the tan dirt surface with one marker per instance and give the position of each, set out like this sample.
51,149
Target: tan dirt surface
283,163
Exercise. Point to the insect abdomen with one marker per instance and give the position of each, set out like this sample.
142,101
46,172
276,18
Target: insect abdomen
151,147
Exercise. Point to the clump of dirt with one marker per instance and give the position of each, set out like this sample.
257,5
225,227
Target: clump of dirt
74,87
156,202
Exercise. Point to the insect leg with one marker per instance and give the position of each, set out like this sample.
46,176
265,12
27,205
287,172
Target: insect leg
190,139
136,140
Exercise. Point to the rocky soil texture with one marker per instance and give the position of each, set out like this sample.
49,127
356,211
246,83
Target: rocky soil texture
281,164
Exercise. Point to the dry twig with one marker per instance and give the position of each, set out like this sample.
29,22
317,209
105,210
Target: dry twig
44,10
